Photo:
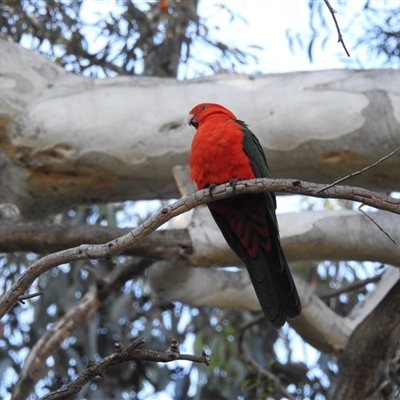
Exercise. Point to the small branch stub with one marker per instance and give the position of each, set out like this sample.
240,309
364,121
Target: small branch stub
173,351
119,347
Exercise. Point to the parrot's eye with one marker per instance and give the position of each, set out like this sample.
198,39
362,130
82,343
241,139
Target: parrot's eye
203,108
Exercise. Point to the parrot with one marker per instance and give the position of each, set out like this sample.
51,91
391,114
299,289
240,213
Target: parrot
225,150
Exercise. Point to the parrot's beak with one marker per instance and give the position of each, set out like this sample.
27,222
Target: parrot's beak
192,121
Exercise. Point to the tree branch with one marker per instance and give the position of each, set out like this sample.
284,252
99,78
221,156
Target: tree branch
349,288
362,367
306,236
34,163
116,246
361,171
215,287
340,39
123,354
376,224
45,238
24,297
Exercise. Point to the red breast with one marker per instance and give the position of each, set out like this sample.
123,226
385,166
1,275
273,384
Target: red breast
217,154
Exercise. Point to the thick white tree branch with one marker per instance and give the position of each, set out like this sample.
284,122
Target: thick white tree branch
211,287
307,236
61,134
318,324
340,235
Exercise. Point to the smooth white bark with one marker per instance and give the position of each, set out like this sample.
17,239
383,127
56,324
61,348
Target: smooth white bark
68,139
308,236
227,288
212,287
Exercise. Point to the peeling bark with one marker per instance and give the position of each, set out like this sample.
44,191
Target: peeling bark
69,140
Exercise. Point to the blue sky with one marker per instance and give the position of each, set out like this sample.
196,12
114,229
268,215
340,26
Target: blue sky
269,20
263,23
267,23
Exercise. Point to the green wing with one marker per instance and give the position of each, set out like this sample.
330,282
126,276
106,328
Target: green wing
255,152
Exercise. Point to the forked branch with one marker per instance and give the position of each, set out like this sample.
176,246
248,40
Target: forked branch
122,354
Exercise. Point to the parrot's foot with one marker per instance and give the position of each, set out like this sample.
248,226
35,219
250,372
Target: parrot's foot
233,182
211,187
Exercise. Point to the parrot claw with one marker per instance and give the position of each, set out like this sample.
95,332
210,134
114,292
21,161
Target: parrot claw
211,187
233,182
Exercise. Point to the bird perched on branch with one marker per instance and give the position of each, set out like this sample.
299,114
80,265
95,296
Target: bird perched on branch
225,150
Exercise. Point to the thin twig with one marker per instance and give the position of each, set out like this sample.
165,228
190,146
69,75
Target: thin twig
375,223
28,296
340,39
349,288
254,321
360,171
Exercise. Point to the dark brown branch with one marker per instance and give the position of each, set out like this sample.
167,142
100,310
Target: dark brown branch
362,368
44,238
28,296
349,288
376,224
340,39
254,321
123,354
121,244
